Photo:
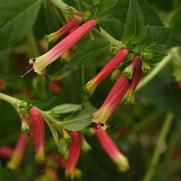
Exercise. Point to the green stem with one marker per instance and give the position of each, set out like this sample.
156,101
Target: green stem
158,149
11,100
146,122
111,39
60,4
173,53
174,139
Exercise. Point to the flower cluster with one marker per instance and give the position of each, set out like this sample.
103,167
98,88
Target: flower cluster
129,74
74,33
124,87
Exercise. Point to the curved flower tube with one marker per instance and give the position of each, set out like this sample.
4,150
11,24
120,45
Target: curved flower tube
38,133
18,152
66,29
40,63
112,100
111,149
106,70
73,155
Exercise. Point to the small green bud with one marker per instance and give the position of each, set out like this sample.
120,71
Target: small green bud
128,72
25,127
115,74
145,67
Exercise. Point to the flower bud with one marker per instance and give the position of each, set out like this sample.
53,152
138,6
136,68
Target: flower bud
129,70
66,29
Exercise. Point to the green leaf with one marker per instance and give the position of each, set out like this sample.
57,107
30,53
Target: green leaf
163,93
103,7
66,108
150,16
77,123
90,53
112,25
134,26
16,19
176,21
157,34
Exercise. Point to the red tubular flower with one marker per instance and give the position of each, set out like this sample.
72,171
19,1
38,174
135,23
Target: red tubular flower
111,149
6,152
53,85
1,84
136,78
129,70
61,162
66,29
73,155
38,134
106,70
40,63
18,152
112,100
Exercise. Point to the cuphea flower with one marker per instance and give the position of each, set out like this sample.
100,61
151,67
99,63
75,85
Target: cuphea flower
40,63
6,152
66,29
61,162
134,82
18,152
112,100
73,155
111,149
38,133
106,70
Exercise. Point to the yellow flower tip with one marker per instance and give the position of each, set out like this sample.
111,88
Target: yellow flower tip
40,156
102,115
50,175
37,65
13,164
85,146
51,38
73,174
91,86
123,163
66,57
129,97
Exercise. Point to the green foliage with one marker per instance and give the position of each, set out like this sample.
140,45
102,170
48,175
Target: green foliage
133,29
176,22
144,29
163,93
93,52
13,15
